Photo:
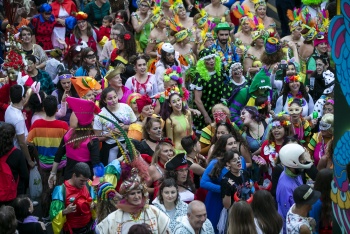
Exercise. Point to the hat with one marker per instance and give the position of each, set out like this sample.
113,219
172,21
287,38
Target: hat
157,15
84,84
203,19
222,26
293,16
261,80
173,73
305,195
119,69
169,48
45,8
272,45
329,81
106,191
177,162
206,53
83,109
132,98
81,15
143,101
132,183
321,37
258,3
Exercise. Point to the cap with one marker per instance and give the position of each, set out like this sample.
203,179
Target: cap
305,195
83,109
106,191
206,53
177,162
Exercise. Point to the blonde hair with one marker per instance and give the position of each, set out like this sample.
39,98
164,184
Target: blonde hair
221,106
157,150
329,118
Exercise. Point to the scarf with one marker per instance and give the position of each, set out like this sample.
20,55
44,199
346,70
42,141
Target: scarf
125,206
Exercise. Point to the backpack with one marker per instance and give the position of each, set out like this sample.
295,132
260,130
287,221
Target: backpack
8,188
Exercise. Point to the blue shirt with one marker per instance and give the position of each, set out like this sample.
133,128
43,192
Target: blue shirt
227,54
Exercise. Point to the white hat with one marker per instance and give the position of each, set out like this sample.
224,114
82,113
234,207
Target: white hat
167,47
329,81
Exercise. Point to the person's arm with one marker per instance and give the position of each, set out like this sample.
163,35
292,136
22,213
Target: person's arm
304,229
62,111
226,192
22,144
200,106
279,105
246,155
139,27
150,49
197,169
206,182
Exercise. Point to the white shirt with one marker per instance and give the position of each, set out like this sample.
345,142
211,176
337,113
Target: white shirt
15,117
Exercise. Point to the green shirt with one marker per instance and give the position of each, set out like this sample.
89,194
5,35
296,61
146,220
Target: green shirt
96,14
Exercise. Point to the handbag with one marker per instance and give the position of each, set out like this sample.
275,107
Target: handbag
35,184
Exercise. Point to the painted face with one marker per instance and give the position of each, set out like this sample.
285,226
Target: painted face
210,63
66,84
169,194
278,132
328,109
134,197
222,130
166,153
294,86
261,11
235,164
156,131
231,144
90,96
82,24
147,111
246,117
223,36
176,103
90,58
294,111
237,71
182,175
322,47
111,99
141,67
320,66
116,81
290,70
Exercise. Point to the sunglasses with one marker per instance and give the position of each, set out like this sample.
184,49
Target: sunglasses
119,17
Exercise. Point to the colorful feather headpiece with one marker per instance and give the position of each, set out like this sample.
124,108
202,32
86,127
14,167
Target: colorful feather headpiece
258,3
258,28
294,17
242,13
323,22
157,15
181,32
178,4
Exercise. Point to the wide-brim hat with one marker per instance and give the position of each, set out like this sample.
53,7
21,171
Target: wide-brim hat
177,162
84,84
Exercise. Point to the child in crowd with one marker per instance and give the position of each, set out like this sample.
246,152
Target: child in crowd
105,29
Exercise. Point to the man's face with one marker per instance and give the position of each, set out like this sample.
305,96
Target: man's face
197,217
223,36
80,181
210,63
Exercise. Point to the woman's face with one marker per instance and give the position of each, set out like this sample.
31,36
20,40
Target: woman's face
176,103
111,99
322,47
77,58
235,164
66,84
320,66
133,106
261,11
246,27
90,96
114,33
237,71
294,111
166,153
246,117
296,34
134,197
182,175
46,15
208,42
181,12
82,25
259,42
116,81
90,58
278,132
231,144
26,36
328,109
290,70
156,131
144,7
294,86
170,84
147,111
120,44
222,130
169,194
162,22
141,67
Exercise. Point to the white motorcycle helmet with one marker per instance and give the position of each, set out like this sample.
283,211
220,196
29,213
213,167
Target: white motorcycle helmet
290,156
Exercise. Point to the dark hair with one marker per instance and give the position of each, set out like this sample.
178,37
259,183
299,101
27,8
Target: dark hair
129,45
108,18
17,92
323,184
265,212
104,93
269,59
124,14
188,184
228,126
50,105
188,142
166,109
31,58
8,222
60,90
258,102
21,205
83,169
255,115
86,66
148,125
284,71
287,128
302,89
168,182
68,58
241,219
142,228
8,132
133,59
34,103
227,157
220,146
163,55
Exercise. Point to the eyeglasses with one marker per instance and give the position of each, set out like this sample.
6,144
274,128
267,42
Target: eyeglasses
91,56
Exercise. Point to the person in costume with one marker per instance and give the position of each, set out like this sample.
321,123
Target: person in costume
119,112
72,205
237,80
225,49
126,49
247,95
134,209
319,142
323,78
30,48
79,144
142,82
169,202
295,158
61,9
218,12
312,7
294,27
167,8
83,33
19,21
111,44
326,98
131,101
260,11
141,22
107,198
180,14
43,24
96,10
90,65
294,88
54,65
158,34
243,36
207,86
72,59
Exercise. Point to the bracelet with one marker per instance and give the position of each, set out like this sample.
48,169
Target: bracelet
53,173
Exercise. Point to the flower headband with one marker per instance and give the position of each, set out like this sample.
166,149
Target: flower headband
290,79
183,93
173,73
127,36
280,123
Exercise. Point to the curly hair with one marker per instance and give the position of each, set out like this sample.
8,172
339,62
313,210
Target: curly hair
165,183
129,44
60,89
269,59
302,89
255,115
34,104
8,132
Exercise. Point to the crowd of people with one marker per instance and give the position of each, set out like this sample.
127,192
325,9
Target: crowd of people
166,116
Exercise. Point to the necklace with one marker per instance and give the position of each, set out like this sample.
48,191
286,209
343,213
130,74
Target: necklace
151,140
135,217
300,130
256,136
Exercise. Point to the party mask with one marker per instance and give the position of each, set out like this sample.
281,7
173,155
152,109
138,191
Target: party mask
295,110
219,116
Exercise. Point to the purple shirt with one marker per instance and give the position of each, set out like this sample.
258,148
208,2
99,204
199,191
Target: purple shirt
284,194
